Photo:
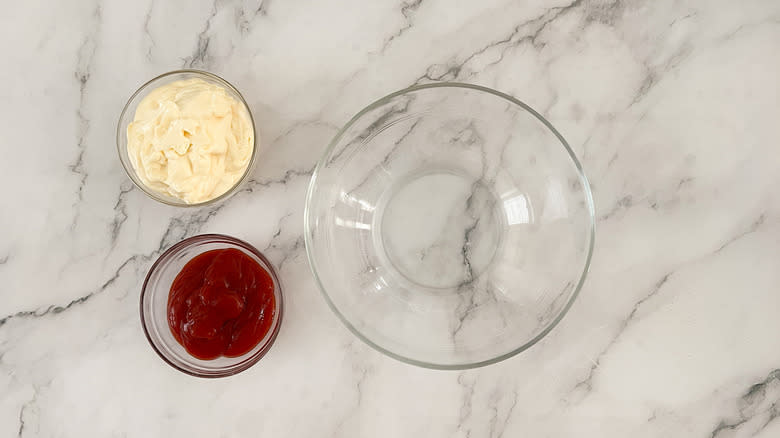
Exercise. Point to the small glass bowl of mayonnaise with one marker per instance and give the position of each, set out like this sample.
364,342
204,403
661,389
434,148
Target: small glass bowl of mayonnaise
187,138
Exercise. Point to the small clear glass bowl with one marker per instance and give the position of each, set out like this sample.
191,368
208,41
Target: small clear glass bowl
154,307
128,114
449,225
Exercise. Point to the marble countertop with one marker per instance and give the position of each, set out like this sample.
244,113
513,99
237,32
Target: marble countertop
672,106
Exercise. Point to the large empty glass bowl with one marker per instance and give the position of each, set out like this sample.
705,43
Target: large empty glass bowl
449,225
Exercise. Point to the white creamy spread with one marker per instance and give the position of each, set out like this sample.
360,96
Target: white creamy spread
190,139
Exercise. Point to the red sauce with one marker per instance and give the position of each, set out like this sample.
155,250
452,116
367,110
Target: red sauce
221,304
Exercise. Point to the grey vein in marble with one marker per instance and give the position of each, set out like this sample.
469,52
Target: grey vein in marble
587,383
407,10
754,402
54,309
84,61
200,56
536,25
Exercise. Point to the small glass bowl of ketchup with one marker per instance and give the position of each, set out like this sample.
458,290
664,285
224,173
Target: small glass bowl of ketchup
211,305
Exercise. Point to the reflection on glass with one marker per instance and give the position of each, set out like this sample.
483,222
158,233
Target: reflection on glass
555,202
353,201
351,224
517,210
380,283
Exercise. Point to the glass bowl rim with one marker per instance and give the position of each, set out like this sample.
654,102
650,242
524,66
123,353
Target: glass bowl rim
307,225
129,168
278,294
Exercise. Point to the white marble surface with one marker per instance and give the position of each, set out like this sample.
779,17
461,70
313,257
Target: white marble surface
673,107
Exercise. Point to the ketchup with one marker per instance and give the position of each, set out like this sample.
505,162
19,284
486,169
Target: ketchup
221,304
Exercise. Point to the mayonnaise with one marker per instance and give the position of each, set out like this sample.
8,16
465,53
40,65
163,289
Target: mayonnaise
190,139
